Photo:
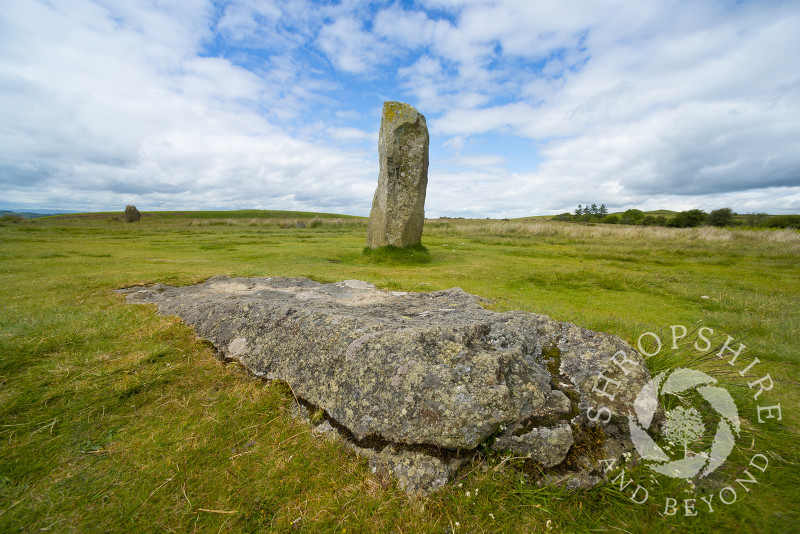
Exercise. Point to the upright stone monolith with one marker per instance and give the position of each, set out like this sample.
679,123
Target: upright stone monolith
398,208
132,214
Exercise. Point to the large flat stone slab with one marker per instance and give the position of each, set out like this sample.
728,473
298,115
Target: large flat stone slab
431,370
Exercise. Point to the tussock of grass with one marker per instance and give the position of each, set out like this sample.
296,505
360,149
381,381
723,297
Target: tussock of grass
391,255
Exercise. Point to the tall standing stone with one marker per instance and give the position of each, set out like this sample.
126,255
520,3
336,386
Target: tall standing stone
132,214
398,208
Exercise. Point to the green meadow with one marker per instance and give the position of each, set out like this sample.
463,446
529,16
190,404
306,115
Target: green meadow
116,419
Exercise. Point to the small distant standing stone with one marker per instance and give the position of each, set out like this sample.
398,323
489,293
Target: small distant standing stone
132,214
398,208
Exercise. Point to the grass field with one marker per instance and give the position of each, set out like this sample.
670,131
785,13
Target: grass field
114,419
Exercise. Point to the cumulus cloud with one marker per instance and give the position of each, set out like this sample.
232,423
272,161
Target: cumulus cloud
648,104
351,48
112,114
275,104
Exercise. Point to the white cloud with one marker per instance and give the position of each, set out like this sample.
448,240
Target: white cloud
351,134
93,121
259,103
270,24
350,48
244,21
694,102
410,29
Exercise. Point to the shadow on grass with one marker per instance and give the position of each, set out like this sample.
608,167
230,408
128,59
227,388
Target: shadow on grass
391,255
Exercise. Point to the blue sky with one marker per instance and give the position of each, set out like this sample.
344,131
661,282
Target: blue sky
532,107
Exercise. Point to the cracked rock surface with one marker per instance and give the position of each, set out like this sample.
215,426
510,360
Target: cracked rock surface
428,376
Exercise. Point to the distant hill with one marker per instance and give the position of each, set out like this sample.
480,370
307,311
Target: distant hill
656,213
233,214
23,214
535,218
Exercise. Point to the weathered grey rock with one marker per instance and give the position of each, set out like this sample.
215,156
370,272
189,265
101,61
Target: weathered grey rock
415,471
547,445
132,214
424,372
398,208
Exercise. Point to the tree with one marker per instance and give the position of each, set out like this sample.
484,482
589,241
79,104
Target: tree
594,209
632,216
684,426
720,217
782,221
603,210
754,219
688,219
579,211
649,220
566,216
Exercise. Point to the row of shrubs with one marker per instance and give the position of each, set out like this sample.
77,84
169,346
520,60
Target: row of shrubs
782,221
686,219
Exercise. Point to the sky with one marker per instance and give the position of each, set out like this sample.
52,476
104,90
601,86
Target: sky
533,107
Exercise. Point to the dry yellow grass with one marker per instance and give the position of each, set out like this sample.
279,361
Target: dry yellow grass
621,232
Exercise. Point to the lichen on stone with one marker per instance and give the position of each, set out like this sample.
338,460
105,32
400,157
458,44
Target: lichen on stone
398,206
416,381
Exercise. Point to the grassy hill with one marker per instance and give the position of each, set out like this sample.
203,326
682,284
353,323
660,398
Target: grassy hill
115,419
20,214
219,215
655,213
